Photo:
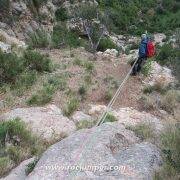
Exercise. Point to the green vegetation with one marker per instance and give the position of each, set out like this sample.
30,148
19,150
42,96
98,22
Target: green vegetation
136,16
110,118
38,39
106,43
61,14
170,57
22,70
85,124
143,130
45,95
31,166
71,106
37,61
146,69
21,144
63,37
169,145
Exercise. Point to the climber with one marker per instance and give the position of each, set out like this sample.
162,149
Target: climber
142,54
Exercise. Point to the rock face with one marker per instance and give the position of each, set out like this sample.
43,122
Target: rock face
80,116
131,117
19,172
159,37
159,74
47,122
106,152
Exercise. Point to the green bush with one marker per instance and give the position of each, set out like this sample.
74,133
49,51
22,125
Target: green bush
5,165
144,131
106,43
63,37
45,95
110,118
72,105
61,14
36,61
30,167
22,144
38,39
42,96
169,145
10,67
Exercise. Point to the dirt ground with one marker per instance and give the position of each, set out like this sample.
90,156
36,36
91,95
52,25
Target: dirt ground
106,71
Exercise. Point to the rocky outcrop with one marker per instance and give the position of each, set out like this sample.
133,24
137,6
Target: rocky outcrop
19,173
47,122
106,152
159,74
131,117
80,116
159,38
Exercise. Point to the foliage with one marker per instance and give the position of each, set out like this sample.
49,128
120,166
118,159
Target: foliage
37,61
31,166
169,145
61,14
170,57
146,69
106,43
10,67
110,118
85,124
143,130
21,144
136,16
38,39
45,94
71,106
63,37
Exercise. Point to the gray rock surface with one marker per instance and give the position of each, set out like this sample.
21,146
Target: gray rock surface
112,152
19,172
79,116
132,117
47,122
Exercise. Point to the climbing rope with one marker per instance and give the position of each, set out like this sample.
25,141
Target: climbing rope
103,117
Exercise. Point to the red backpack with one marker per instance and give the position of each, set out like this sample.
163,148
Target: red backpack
150,49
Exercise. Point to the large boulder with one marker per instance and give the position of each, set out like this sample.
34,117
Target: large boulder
106,152
47,122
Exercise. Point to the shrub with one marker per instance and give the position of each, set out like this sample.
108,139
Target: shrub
10,67
45,95
82,91
106,43
85,124
78,62
148,102
38,39
30,167
37,61
169,101
143,130
5,165
42,96
110,118
108,95
72,105
146,69
89,66
61,14
169,145
63,37
22,144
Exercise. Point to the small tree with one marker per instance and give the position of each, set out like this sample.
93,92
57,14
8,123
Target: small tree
93,23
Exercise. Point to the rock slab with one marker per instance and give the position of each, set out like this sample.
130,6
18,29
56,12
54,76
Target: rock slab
47,122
